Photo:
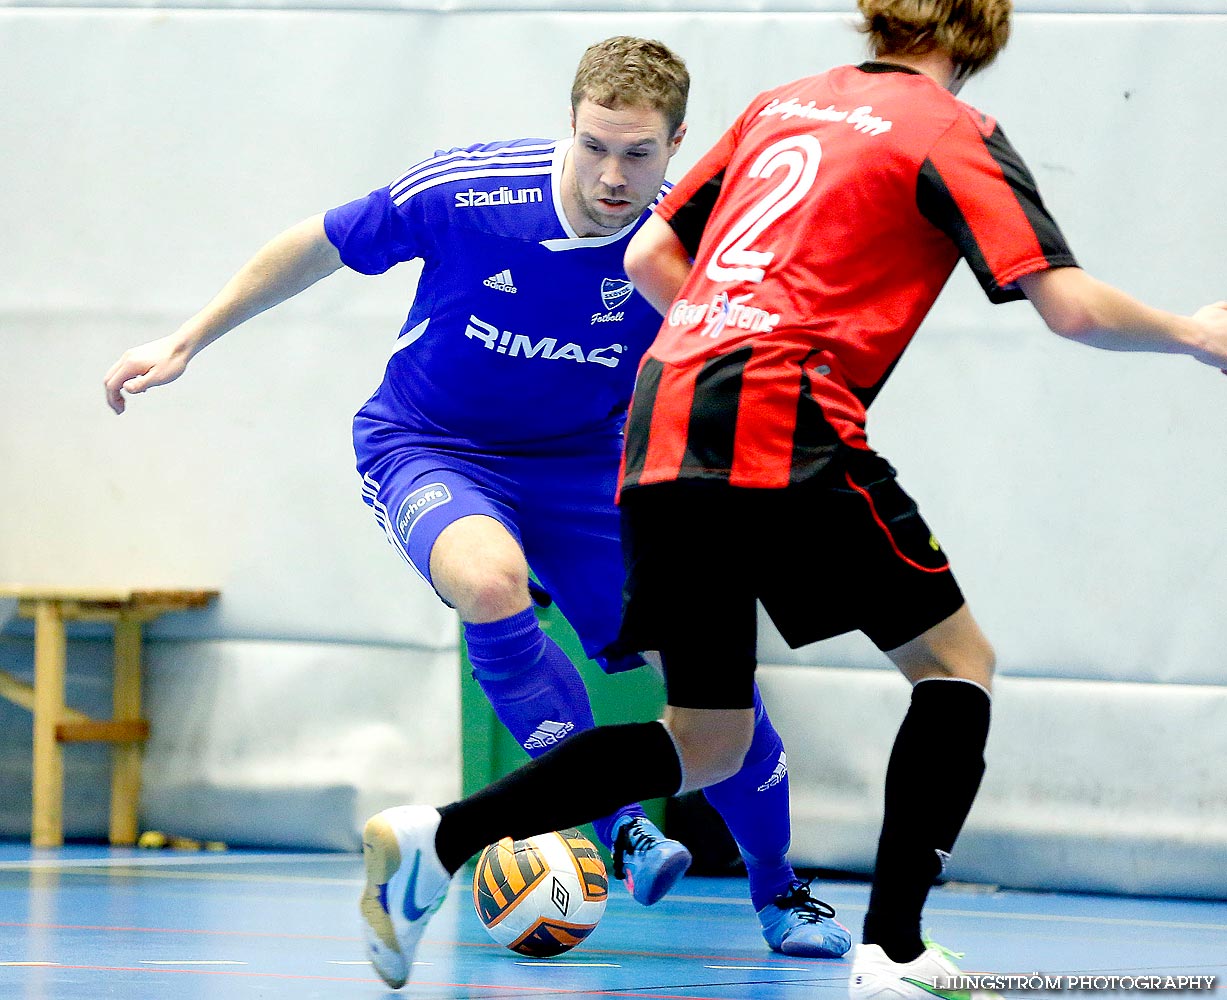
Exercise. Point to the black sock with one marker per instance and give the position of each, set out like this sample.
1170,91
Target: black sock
934,772
587,776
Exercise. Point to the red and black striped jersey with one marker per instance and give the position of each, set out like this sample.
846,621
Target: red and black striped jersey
823,226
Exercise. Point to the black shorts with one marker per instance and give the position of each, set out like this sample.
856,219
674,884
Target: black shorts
845,551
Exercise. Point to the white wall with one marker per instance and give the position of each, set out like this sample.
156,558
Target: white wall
147,151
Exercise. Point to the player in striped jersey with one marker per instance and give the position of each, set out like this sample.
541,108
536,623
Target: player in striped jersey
493,442
792,265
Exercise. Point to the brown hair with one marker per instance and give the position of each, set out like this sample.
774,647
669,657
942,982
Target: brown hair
971,31
637,72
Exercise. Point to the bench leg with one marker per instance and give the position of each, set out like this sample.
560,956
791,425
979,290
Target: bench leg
47,828
126,757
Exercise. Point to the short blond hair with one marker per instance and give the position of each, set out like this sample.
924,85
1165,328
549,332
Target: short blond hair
633,72
973,32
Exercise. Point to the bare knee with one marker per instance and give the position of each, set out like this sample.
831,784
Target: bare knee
489,594
955,647
712,743
977,664
480,570
982,666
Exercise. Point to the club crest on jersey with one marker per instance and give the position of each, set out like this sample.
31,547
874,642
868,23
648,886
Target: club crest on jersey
614,292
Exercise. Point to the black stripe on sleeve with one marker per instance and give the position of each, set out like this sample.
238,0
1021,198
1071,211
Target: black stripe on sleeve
639,422
713,414
936,204
690,220
1052,242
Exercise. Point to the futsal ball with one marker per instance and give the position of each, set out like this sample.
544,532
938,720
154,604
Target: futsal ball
541,896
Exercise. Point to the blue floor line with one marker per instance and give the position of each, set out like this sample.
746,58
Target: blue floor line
85,923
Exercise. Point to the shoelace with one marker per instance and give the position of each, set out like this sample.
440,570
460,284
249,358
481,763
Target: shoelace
800,897
632,839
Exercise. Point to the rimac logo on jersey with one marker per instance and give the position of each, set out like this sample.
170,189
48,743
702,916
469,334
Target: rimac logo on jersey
614,292
418,503
499,196
518,345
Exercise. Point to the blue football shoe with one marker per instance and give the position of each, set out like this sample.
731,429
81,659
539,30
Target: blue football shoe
405,884
646,860
798,923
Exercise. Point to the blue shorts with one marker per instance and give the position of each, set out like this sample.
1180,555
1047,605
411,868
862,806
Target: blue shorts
558,506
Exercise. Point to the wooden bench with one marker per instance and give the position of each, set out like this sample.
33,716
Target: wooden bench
56,724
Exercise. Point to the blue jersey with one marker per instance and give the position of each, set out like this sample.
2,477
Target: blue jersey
520,333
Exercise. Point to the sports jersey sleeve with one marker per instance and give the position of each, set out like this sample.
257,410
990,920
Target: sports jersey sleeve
374,233
690,203
975,188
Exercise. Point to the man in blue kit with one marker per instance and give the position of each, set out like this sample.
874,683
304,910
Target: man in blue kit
493,442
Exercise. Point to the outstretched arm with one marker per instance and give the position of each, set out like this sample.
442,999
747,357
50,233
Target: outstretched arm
1082,308
657,263
282,268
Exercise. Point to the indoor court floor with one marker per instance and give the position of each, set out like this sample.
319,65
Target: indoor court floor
83,923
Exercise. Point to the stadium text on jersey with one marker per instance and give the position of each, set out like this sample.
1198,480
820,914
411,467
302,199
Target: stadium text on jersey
499,196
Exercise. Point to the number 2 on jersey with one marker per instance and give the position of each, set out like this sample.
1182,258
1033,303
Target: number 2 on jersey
734,260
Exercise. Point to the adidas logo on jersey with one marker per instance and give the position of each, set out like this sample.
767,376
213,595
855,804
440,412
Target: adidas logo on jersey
501,282
547,734
778,775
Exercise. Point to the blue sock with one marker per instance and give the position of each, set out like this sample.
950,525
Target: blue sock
534,689
754,806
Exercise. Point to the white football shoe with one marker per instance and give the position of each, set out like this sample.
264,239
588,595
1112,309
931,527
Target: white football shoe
875,977
405,884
